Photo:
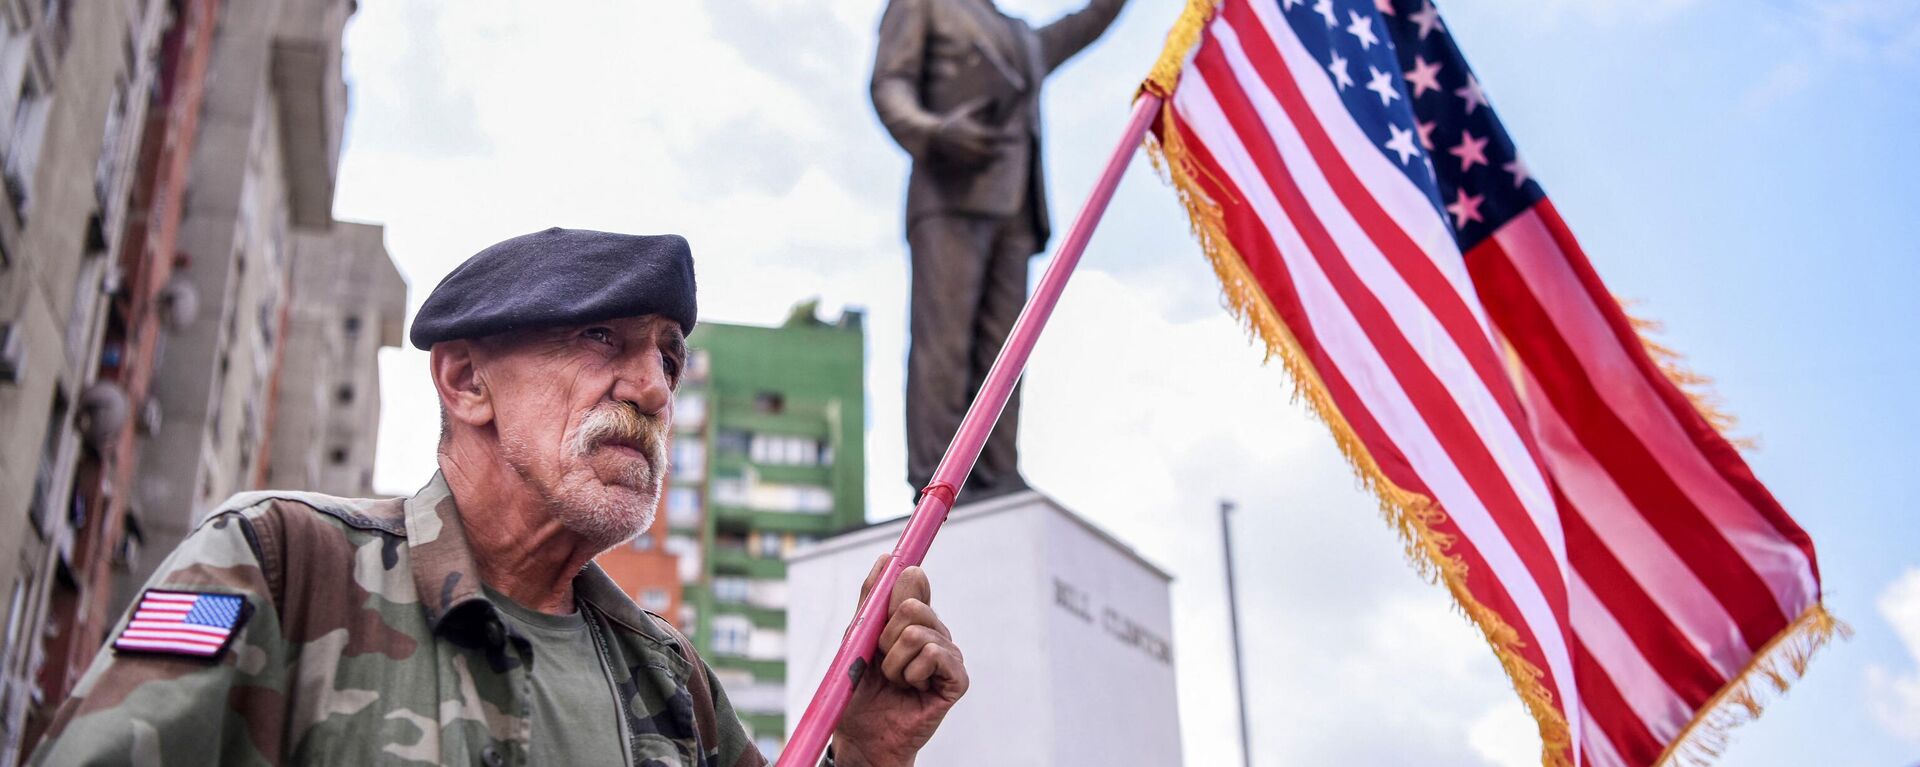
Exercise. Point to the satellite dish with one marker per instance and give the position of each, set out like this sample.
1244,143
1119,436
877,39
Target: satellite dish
104,408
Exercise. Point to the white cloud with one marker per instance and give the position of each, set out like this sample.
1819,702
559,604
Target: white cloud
1894,697
1506,736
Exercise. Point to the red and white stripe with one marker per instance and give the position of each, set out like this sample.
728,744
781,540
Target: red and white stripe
159,623
1596,512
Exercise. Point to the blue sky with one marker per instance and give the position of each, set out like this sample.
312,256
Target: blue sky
1741,169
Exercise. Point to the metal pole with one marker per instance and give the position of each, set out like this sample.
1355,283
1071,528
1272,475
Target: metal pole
857,648
1233,619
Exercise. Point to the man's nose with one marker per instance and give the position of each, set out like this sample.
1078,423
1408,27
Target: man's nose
643,382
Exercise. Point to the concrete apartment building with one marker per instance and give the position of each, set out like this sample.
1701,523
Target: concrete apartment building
72,81
263,170
167,250
769,453
348,302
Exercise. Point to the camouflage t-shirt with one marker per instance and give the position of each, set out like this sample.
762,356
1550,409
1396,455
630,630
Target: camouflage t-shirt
368,640
573,706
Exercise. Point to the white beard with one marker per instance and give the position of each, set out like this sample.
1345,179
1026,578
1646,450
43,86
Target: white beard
602,515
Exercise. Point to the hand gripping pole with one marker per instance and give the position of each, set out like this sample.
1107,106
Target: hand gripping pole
857,649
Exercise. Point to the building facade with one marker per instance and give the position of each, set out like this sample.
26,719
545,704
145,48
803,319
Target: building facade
262,171
170,163
73,81
1067,632
769,454
349,301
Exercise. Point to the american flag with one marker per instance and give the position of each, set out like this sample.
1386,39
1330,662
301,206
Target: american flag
182,623
1372,220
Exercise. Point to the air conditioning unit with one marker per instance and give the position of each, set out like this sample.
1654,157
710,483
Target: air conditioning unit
13,352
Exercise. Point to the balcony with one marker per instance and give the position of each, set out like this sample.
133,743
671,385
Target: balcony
730,561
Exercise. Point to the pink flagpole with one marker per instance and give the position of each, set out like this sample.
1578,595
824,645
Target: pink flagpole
856,652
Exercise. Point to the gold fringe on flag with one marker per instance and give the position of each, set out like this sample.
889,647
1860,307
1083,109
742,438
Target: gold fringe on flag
1781,661
1697,387
1412,515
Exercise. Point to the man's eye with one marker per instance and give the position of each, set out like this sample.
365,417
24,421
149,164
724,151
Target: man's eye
602,335
671,366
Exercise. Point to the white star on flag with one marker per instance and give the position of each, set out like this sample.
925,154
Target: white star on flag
1424,76
1341,80
1465,208
1382,83
1401,143
1519,170
1287,5
1385,7
1427,18
1325,8
1362,30
1472,93
1470,151
1426,133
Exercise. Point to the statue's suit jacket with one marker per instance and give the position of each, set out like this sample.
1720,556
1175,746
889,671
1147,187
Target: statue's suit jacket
925,46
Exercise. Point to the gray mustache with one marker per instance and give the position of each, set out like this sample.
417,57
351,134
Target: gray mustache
623,422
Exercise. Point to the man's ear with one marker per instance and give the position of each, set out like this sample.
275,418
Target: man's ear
456,376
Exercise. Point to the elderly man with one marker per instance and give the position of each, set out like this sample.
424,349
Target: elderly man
468,624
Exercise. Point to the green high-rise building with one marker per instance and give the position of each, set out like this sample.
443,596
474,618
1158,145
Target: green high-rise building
770,454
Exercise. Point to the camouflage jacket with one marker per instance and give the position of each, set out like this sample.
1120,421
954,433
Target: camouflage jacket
371,641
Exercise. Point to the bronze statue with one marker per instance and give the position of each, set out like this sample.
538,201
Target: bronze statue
957,83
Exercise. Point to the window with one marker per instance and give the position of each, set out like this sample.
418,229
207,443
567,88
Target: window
337,456
787,450
690,409
773,496
642,542
683,507
689,458
654,600
770,402
730,491
31,110
768,545
687,551
727,588
44,501
732,441
343,394
266,325
351,325
769,746
697,364
731,634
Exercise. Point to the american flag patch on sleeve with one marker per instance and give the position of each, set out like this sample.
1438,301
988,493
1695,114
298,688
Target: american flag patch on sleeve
190,623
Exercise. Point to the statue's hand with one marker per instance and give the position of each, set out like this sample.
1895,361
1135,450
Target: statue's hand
962,139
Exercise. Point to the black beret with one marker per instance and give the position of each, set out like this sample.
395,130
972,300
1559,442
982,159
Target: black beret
560,277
